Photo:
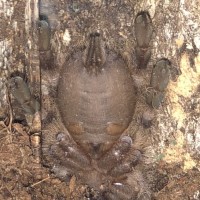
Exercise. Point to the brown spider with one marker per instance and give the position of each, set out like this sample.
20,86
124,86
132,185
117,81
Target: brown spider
84,134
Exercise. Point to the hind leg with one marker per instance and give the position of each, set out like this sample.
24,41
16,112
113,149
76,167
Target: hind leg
159,81
143,33
20,90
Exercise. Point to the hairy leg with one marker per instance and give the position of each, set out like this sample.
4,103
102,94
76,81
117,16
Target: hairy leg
143,33
69,155
133,157
159,81
20,90
134,187
115,154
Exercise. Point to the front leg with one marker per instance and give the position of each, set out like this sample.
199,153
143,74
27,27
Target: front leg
69,158
133,187
120,159
120,191
115,154
131,160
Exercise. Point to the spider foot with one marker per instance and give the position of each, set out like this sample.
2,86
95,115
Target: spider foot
69,156
20,90
132,187
120,191
128,163
143,33
159,81
116,154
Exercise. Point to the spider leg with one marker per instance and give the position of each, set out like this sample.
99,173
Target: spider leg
69,155
133,187
116,154
159,81
124,167
143,33
120,191
20,90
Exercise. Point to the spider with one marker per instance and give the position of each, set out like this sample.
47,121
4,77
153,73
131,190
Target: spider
86,132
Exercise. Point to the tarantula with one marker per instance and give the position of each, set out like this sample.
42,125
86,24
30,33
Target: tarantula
86,133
